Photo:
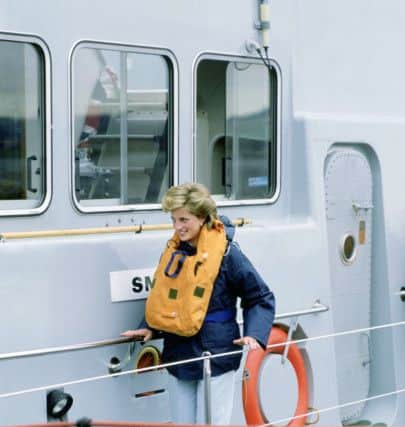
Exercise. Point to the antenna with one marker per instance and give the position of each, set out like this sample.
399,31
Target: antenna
263,26
264,23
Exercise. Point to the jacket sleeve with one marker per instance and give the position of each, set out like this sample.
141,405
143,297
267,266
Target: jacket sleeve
257,301
144,325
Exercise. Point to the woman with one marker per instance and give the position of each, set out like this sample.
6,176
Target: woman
195,221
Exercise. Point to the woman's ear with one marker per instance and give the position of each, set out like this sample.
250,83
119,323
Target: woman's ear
204,220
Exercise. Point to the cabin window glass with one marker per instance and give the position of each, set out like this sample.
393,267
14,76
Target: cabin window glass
122,127
22,111
236,129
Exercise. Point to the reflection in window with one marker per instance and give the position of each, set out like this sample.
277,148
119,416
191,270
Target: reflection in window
236,129
22,144
122,127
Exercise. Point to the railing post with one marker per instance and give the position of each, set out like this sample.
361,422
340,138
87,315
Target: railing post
291,329
207,387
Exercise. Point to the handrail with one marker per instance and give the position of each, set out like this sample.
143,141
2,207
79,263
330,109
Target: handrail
63,349
197,359
316,308
98,230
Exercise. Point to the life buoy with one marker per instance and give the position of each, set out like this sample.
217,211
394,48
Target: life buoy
250,392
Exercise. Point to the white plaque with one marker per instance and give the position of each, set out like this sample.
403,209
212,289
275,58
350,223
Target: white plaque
129,285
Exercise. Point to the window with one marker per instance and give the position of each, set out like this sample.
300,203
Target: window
22,128
236,129
123,127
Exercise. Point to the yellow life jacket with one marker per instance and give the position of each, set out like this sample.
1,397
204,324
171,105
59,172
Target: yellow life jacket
183,284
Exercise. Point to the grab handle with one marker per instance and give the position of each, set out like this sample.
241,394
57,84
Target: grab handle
30,159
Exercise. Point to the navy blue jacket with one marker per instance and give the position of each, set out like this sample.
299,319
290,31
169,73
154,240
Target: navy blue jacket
237,278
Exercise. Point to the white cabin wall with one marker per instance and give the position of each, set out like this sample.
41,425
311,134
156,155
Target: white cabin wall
347,57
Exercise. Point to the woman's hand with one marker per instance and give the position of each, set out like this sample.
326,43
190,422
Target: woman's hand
140,334
249,341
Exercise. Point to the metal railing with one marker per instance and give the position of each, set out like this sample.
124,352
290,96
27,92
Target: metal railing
318,307
100,230
204,358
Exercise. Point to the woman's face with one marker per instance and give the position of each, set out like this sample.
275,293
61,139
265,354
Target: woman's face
187,225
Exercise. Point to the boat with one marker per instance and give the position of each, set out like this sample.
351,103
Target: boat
292,113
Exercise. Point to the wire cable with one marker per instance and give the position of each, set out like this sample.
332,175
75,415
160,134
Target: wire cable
201,358
332,408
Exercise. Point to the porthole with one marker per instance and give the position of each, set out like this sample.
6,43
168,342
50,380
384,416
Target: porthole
348,249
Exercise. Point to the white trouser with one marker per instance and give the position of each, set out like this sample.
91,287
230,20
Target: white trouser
187,403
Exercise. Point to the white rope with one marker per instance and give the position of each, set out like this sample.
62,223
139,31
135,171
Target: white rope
332,408
340,334
119,374
196,359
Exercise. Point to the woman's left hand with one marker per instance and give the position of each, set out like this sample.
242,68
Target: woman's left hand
249,341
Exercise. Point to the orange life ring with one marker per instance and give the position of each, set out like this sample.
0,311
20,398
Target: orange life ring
250,393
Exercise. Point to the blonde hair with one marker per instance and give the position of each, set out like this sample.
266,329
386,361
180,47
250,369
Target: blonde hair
195,198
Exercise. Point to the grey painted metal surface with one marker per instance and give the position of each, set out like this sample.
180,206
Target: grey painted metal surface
341,82
348,195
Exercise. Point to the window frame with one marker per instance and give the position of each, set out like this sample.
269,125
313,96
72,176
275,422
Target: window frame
252,60
46,127
173,88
